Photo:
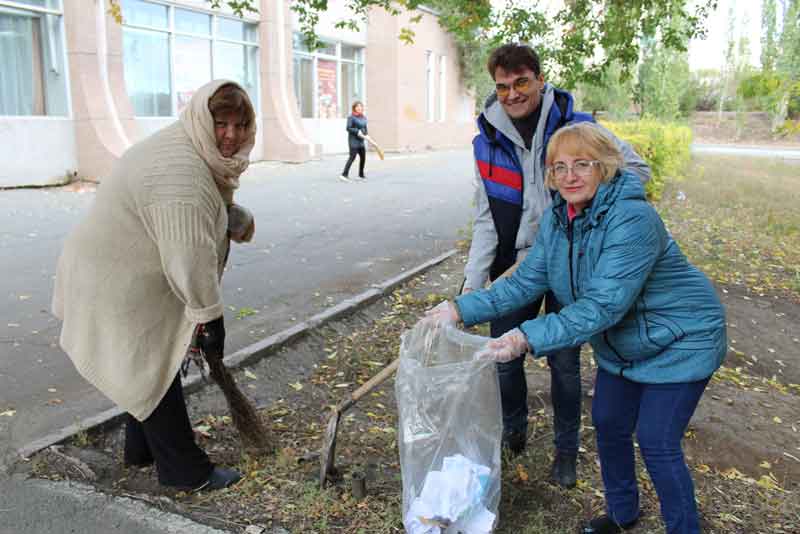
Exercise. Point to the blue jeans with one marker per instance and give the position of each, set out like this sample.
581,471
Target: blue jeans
659,413
565,383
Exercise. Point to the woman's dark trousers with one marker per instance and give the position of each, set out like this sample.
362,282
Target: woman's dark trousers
565,383
659,414
167,438
362,154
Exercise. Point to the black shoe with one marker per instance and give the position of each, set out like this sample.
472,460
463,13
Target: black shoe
220,478
562,472
514,442
606,525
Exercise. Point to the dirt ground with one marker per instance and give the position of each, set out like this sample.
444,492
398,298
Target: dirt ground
755,130
742,443
736,219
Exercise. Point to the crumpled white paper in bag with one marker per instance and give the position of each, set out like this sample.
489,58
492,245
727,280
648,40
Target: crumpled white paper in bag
450,500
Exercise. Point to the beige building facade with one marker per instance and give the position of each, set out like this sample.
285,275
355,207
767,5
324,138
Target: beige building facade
77,88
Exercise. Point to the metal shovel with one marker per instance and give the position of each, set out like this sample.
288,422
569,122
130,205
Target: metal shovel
328,451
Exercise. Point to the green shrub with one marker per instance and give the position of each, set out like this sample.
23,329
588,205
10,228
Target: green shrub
663,145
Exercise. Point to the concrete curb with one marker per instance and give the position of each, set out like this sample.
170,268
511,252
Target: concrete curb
246,355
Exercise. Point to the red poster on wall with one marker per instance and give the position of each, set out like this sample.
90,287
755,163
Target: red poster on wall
326,89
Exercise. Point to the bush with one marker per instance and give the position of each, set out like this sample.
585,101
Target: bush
663,145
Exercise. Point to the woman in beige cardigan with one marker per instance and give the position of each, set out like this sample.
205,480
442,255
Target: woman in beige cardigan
142,271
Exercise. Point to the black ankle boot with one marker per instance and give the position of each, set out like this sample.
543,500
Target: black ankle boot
606,525
514,442
562,472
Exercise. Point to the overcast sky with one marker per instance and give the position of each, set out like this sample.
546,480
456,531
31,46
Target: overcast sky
710,52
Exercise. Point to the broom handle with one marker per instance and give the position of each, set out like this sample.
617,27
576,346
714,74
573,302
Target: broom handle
369,385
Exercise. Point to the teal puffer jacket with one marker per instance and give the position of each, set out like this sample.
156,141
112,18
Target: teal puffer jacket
626,288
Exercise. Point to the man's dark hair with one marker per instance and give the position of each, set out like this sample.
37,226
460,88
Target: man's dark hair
513,57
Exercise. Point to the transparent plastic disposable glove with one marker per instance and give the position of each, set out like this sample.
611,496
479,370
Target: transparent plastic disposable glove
505,348
361,134
443,313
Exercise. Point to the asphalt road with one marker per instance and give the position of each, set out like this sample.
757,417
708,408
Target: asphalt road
318,241
751,151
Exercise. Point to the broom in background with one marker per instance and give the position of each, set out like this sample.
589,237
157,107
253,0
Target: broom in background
375,145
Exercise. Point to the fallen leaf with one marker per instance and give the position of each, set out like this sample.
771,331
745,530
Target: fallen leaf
203,430
54,402
297,386
769,482
777,419
51,390
521,473
249,374
765,464
8,413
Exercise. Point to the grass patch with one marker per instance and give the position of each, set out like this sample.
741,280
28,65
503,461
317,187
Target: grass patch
739,222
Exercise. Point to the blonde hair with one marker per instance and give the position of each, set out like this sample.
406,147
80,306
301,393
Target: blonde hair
584,138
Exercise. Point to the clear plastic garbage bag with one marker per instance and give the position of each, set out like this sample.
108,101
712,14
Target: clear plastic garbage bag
450,432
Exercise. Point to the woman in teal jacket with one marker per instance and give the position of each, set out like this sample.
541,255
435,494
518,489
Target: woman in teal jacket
654,321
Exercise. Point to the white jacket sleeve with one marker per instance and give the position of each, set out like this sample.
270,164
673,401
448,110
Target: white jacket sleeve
483,248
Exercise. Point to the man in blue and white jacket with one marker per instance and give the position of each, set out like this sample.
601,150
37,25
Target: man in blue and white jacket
515,127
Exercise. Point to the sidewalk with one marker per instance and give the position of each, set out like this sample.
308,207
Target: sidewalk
39,506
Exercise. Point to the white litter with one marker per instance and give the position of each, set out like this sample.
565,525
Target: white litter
450,500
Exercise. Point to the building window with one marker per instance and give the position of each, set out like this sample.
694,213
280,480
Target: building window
33,73
304,85
328,80
170,51
442,88
430,65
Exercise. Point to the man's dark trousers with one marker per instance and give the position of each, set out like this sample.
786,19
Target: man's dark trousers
565,383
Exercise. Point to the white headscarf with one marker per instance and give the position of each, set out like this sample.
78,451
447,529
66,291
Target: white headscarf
199,126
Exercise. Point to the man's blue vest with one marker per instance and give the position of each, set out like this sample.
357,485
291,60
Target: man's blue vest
502,175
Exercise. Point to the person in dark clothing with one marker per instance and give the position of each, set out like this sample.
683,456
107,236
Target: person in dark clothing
356,131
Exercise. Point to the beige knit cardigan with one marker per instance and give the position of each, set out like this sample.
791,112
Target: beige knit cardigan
141,269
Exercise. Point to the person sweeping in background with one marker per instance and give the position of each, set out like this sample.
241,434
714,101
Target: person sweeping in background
356,133
140,274
654,321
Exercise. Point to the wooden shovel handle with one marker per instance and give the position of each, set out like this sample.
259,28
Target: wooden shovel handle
370,384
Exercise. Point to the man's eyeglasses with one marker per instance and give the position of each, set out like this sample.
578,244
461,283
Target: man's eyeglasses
581,168
521,85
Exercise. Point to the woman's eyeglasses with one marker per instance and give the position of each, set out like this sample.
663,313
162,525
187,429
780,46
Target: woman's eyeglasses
581,168
521,85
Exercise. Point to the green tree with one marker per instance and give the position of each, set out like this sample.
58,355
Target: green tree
664,79
612,95
568,39
769,35
788,61
726,74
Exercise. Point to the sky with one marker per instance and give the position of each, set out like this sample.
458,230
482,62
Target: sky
710,52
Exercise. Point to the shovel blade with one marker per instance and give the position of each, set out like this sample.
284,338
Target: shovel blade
328,452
